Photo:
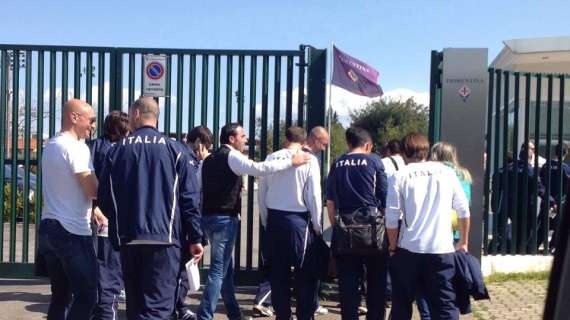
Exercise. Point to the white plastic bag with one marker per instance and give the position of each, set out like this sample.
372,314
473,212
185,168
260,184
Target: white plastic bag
193,275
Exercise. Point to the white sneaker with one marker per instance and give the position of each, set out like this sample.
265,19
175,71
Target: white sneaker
321,311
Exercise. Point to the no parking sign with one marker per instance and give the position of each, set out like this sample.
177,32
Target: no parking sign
154,80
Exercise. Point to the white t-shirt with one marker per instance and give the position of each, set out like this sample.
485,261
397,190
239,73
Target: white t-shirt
64,199
389,166
296,189
423,194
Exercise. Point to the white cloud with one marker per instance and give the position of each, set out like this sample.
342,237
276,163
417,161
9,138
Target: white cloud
343,101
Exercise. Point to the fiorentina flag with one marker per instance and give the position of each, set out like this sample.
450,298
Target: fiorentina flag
354,75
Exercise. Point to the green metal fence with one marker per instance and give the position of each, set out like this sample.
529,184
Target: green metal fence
524,109
262,89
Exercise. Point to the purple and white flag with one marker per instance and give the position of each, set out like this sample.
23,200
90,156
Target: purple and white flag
354,75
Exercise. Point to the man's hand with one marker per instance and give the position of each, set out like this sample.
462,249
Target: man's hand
461,246
196,250
300,159
99,219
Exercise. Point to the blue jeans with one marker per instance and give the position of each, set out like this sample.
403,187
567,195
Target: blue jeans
221,231
72,269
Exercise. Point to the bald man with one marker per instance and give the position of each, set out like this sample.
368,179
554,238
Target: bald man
317,141
69,185
151,195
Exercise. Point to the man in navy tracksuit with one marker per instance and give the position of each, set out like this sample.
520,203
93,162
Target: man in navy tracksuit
152,196
357,180
116,126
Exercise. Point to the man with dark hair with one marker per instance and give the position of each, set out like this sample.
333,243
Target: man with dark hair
151,195
357,182
558,184
423,194
222,184
116,127
290,209
393,160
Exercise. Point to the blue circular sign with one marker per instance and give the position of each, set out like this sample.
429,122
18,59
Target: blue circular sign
155,70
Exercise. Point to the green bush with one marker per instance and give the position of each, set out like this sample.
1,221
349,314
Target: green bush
6,215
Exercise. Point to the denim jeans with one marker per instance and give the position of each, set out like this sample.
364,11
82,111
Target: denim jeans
72,269
221,231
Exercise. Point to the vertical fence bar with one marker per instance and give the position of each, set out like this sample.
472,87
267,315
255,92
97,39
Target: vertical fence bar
264,105
52,71
168,98
14,153
27,133
89,78
39,148
217,63
289,99
534,195
3,122
301,97
192,93
100,91
546,200
505,208
489,143
131,78
240,107
179,95
524,216
277,104
241,89
229,74
251,147
515,191
204,97
77,75
560,183
498,232
64,77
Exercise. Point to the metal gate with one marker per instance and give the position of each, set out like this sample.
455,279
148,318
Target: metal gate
524,110
265,90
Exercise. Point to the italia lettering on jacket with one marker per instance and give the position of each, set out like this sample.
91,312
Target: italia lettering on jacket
351,163
145,139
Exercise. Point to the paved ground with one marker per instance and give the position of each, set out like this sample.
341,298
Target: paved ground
28,299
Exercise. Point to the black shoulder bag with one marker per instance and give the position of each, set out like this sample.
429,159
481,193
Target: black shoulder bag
360,233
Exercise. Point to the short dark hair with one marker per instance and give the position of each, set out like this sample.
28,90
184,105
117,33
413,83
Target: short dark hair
393,146
201,133
562,150
415,146
116,125
296,134
229,130
357,137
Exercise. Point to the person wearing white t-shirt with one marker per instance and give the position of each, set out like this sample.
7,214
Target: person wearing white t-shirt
290,209
393,160
69,185
422,194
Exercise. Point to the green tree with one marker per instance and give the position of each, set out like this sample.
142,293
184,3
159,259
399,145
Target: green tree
387,120
337,138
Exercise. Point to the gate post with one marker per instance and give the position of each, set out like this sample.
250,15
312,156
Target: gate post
463,111
316,85
115,80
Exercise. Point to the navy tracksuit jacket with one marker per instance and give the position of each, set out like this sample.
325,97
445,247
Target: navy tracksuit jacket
150,203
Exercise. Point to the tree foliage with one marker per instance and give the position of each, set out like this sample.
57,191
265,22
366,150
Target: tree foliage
387,120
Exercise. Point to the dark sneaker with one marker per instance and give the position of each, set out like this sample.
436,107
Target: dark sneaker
187,315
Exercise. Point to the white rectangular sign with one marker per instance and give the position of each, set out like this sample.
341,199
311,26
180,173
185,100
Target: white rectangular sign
154,80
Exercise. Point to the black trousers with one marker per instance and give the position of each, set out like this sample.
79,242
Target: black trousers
150,273
350,269
434,273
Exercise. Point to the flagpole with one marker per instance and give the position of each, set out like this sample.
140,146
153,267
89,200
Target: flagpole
329,113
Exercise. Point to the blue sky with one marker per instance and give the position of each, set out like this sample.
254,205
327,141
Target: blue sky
393,36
